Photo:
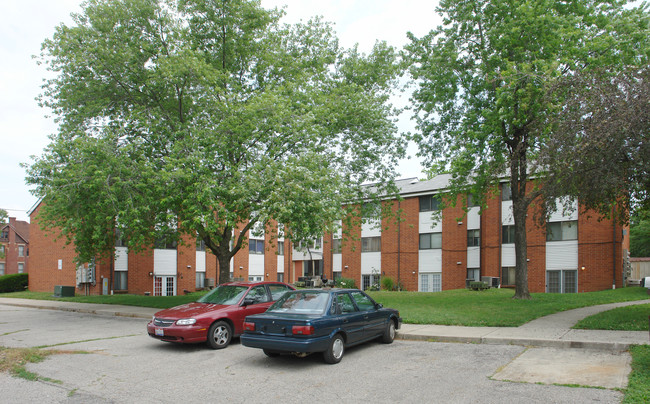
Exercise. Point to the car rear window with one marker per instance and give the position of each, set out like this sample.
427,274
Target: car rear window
301,303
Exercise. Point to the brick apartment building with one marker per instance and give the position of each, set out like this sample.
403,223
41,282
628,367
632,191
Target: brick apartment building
423,252
14,247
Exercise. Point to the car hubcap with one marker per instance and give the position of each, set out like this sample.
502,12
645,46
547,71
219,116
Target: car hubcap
337,348
391,330
221,335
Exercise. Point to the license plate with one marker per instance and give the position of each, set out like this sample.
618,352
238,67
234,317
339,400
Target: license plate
160,332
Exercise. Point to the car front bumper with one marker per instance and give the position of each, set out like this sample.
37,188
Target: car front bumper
178,333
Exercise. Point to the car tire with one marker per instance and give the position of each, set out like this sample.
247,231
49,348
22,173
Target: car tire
335,350
271,354
389,333
219,335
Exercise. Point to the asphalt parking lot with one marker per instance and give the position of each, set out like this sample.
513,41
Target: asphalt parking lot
122,364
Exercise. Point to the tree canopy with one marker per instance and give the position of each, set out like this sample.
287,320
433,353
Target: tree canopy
599,147
207,118
482,79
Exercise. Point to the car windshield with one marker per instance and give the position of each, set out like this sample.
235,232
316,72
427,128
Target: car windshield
310,302
225,294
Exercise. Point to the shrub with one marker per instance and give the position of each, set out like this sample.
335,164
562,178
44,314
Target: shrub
347,283
387,283
13,283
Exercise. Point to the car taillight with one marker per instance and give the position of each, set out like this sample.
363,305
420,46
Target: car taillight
249,326
302,329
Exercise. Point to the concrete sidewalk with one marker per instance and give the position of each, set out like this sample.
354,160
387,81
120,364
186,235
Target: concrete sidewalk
550,331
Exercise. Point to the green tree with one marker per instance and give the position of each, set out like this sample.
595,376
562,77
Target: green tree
3,215
482,78
208,118
599,146
640,233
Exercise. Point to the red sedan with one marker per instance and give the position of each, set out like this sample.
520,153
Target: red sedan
218,316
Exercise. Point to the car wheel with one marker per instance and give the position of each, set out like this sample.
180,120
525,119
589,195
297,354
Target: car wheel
219,335
389,333
271,354
335,350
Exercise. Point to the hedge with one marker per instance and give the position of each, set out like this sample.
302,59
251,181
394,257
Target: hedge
13,283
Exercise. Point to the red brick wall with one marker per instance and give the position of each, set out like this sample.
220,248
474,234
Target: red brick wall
491,224
454,246
400,243
536,250
140,266
351,253
598,255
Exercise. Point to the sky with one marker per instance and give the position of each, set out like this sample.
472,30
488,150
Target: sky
25,24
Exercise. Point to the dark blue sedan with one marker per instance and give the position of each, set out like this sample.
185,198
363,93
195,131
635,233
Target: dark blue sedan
320,320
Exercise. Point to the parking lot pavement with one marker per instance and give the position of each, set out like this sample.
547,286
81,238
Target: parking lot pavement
122,363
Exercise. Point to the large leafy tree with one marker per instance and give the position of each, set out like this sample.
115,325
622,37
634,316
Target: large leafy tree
640,233
482,79
599,146
208,118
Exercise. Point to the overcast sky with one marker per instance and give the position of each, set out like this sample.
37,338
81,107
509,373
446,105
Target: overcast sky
24,24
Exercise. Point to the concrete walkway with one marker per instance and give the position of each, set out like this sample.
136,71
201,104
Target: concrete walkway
550,331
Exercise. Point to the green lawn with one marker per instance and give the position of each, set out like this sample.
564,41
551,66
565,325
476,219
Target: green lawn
630,318
494,307
159,302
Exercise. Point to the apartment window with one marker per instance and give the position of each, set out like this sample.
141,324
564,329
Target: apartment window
2,250
474,274
336,246
474,238
119,239
21,250
200,280
429,203
21,267
562,231
431,282
563,281
508,275
2,268
255,278
371,244
430,241
471,201
280,247
200,245
163,244
508,234
255,246
371,282
506,192
120,280
371,210
280,277
5,234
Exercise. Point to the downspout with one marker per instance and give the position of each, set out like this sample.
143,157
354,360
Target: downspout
613,249
399,245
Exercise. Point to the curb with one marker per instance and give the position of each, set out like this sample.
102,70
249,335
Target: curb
529,342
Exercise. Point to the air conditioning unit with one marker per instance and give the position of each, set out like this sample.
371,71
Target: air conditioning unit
492,281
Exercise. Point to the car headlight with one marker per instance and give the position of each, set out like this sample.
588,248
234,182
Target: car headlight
186,321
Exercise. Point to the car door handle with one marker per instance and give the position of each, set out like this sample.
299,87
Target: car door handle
346,320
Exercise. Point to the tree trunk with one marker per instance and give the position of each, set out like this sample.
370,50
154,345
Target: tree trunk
224,270
521,250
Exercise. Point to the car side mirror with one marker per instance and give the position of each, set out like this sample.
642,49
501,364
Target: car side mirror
248,301
379,306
